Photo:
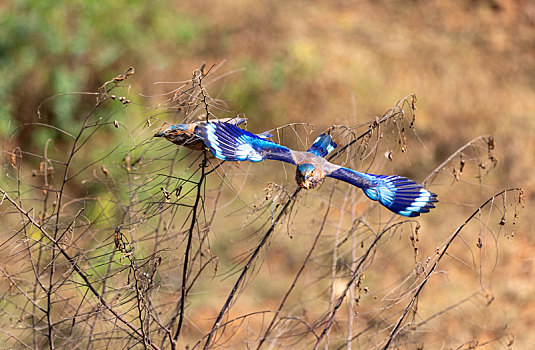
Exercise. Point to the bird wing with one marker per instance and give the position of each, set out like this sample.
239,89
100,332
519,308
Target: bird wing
322,146
228,142
398,194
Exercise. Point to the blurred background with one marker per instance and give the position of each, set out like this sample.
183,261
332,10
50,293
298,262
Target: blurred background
470,63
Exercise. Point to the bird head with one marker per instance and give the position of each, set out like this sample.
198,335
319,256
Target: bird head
305,176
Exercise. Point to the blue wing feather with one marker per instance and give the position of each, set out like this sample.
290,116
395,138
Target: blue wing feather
228,142
398,194
322,146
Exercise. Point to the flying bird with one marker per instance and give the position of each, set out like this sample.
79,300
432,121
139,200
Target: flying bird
398,194
187,134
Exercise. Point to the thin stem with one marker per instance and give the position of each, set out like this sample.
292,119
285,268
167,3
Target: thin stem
77,268
186,255
433,268
246,268
301,269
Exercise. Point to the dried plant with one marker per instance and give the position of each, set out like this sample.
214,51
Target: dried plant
109,235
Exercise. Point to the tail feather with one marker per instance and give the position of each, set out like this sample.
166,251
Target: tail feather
322,146
401,195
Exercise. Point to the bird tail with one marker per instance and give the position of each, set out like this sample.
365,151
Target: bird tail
322,146
400,195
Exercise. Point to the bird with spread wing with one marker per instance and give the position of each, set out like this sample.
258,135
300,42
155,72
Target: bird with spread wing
398,194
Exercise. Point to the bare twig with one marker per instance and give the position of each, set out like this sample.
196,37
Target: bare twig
439,258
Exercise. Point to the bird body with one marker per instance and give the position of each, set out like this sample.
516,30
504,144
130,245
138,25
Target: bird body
308,175
398,194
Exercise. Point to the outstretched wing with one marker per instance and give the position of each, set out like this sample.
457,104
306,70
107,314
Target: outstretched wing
322,146
398,194
228,142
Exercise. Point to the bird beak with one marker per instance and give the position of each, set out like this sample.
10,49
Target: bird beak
159,134
306,184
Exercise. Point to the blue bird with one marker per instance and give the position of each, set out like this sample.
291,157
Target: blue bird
398,194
